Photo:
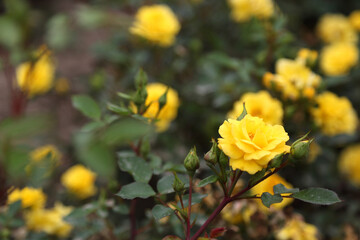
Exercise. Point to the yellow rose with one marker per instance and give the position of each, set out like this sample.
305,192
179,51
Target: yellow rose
306,55
47,151
268,186
79,181
251,143
243,10
297,229
156,23
260,105
293,78
338,58
334,115
168,112
36,77
49,221
30,197
354,19
336,28
238,212
349,164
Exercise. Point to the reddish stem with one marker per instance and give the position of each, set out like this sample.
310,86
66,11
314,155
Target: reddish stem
188,227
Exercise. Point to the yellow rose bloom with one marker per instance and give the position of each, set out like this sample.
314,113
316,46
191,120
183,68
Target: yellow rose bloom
35,78
47,151
336,28
306,55
49,221
293,78
349,164
251,143
79,181
260,105
156,23
297,229
168,112
334,115
338,58
354,19
30,197
243,10
238,212
267,186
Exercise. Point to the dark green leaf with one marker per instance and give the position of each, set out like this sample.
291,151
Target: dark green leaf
136,166
208,180
165,184
268,199
317,196
279,189
136,190
13,208
195,199
160,211
87,106
125,130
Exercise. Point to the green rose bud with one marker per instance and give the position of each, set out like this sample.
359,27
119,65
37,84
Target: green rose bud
276,161
300,150
223,160
162,100
141,79
211,156
178,185
192,162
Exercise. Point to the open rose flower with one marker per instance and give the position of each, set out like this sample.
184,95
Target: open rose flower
251,143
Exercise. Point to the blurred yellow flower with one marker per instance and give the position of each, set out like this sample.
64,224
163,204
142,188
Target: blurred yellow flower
297,229
354,19
251,143
243,10
338,58
49,221
238,212
261,105
293,78
336,28
334,115
349,163
62,86
156,23
307,56
33,198
47,151
168,112
267,186
36,77
79,181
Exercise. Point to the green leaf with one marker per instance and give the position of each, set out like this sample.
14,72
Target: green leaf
136,190
165,184
58,33
208,180
243,114
279,189
160,211
125,130
268,199
16,159
13,208
87,106
24,126
13,35
117,109
136,166
256,177
124,96
195,199
317,196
